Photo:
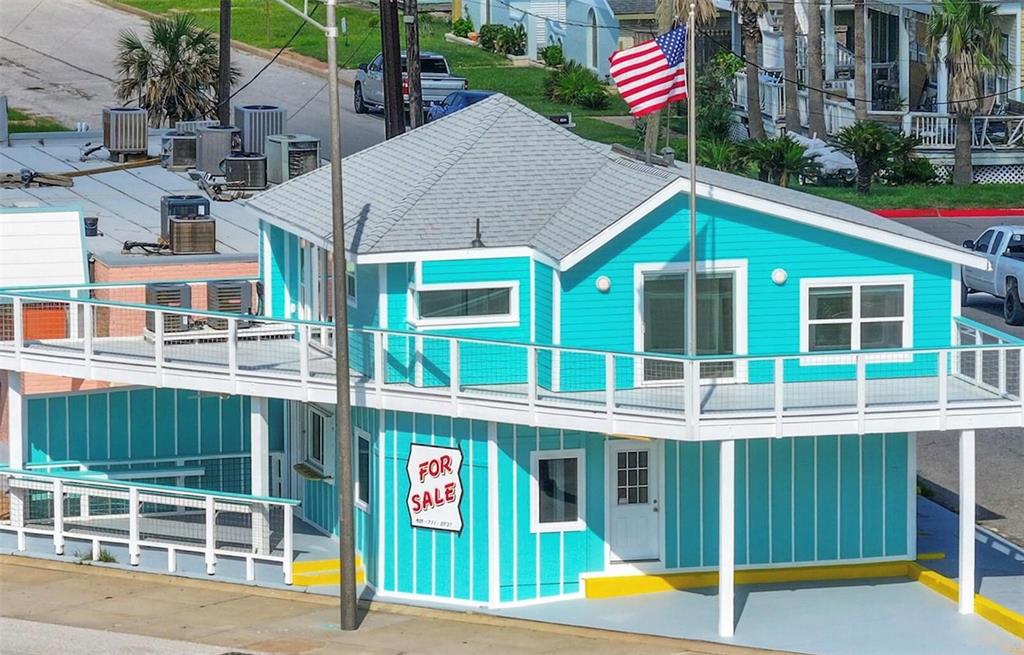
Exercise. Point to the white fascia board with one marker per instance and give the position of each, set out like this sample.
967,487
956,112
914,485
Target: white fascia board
454,254
950,254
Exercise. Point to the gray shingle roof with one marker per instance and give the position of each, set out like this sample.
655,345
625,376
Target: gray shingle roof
529,181
631,7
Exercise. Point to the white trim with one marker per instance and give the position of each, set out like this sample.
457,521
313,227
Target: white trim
738,268
356,482
353,299
533,302
461,254
382,296
726,536
311,409
856,282
778,210
966,573
912,495
382,542
556,328
493,522
580,454
511,319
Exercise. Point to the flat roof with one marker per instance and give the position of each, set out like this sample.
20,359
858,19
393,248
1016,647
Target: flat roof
127,202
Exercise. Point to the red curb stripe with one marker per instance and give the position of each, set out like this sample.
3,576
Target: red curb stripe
973,212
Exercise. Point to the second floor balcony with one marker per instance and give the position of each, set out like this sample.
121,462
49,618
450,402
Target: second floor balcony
974,383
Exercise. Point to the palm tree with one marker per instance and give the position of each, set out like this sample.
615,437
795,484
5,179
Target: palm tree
172,72
779,159
789,65
750,11
871,145
974,49
815,74
860,60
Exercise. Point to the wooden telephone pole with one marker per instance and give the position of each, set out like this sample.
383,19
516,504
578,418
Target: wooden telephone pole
224,65
412,63
394,106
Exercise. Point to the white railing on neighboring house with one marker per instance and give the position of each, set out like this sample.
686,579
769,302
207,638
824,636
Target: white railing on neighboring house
843,57
86,507
646,394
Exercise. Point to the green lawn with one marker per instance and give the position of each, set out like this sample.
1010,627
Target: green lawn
938,196
21,121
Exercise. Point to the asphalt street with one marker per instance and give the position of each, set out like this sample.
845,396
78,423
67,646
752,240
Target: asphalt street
999,453
56,58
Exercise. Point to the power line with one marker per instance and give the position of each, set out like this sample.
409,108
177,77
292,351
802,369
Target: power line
342,65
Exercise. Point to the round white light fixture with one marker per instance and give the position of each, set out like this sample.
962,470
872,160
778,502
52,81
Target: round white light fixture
603,284
779,276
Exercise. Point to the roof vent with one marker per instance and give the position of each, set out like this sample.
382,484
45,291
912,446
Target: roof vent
478,241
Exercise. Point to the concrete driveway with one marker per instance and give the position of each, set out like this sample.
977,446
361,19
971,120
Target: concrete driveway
1000,453
56,58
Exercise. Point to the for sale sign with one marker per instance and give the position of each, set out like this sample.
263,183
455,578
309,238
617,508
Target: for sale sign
435,487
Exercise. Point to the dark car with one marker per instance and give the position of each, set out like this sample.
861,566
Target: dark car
456,101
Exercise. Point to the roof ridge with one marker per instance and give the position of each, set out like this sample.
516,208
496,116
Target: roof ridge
469,139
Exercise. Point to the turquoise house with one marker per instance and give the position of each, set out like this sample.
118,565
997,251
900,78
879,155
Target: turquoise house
527,423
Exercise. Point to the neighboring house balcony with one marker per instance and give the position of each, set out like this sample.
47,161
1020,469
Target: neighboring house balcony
973,384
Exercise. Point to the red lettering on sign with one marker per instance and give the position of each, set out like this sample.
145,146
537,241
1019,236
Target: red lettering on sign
449,492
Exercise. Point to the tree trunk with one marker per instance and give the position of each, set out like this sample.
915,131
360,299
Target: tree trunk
864,181
815,74
789,66
755,122
860,87
963,168
663,14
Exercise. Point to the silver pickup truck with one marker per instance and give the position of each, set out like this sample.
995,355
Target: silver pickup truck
1003,246
436,80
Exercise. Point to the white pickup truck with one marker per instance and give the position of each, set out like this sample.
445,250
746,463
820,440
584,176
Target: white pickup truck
436,82
1003,246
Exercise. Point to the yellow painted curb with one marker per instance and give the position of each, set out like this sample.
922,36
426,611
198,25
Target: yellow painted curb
984,607
927,557
315,565
313,573
629,585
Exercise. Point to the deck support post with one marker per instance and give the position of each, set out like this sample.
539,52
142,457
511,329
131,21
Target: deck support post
260,469
726,537
16,441
965,603
942,78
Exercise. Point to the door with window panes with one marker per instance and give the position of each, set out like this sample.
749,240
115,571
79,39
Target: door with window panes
634,513
664,323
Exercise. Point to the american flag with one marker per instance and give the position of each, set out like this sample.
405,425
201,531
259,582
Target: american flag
653,74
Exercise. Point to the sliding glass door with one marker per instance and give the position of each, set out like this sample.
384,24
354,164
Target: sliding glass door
664,323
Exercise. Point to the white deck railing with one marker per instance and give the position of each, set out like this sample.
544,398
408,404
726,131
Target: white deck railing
145,517
645,394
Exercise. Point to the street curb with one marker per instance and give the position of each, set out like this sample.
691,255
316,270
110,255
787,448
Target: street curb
290,59
970,212
688,646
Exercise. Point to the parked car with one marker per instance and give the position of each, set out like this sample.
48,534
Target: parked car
456,101
436,81
1003,246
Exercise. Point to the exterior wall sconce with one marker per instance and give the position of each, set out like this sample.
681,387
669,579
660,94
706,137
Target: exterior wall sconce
779,276
603,284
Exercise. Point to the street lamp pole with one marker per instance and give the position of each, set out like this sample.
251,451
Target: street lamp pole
343,401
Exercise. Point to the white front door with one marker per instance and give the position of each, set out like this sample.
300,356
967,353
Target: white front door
634,503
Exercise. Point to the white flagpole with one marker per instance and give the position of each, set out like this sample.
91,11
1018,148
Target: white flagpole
691,147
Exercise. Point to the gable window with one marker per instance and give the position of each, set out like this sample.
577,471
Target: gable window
316,429
362,469
557,490
471,304
856,314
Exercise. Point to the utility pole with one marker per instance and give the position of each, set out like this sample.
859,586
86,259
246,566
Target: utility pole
343,399
224,65
412,63
394,105
663,16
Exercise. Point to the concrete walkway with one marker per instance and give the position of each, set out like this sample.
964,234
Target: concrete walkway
258,620
56,59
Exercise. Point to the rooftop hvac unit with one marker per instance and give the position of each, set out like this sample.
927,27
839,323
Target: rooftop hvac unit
245,170
125,130
192,235
179,206
291,155
230,298
213,144
168,294
178,151
191,127
257,122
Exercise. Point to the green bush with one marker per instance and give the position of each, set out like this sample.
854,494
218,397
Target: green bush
489,34
871,145
552,56
462,27
723,155
780,159
512,40
904,166
575,84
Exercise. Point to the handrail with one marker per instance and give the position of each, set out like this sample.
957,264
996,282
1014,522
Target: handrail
91,478
988,329
122,284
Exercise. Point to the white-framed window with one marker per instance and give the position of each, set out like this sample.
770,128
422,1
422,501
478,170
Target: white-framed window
557,490
467,304
316,433
362,472
857,313
351,284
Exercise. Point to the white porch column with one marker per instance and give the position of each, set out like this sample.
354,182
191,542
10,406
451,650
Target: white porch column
904,55
830,41
260,472
726,537
16,442
966,575
942,78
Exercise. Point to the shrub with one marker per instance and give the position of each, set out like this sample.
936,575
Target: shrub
512,40
722,155
904,167
871,145
462,27
489,36
575,84
552,56
779,159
